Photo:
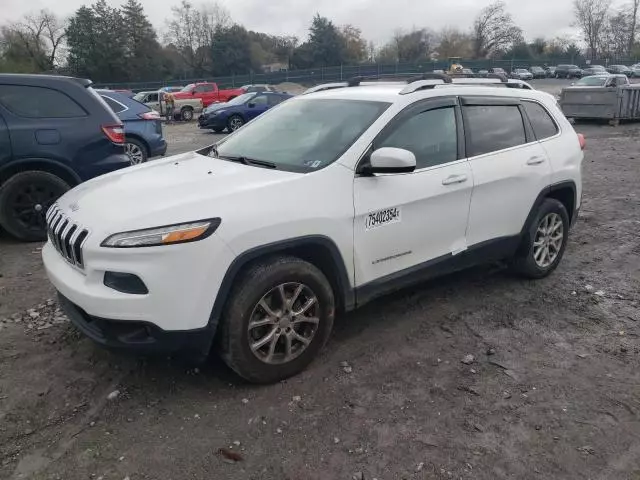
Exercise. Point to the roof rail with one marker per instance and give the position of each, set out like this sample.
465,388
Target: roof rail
325,86
422,85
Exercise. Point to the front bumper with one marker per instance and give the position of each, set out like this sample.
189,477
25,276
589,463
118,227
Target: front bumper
182,282
138,337
216,121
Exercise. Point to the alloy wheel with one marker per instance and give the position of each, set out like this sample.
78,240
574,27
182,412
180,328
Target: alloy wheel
283,323
236,123
548,241
135,153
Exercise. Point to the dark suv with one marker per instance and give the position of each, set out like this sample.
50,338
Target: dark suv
568,71
55,132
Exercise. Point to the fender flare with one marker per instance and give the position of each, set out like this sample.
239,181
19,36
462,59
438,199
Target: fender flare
342,287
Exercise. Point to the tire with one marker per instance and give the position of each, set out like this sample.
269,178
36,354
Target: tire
260,283
526,261
136,151
35,191
235,122
186,114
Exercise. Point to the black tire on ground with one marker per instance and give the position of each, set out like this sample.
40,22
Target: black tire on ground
218,129
186,114
251,286
234,123
24,200
136,150
524,262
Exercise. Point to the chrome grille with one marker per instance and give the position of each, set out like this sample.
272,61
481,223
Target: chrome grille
66,236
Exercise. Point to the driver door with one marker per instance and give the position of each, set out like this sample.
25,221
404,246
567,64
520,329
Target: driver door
257,106
404,222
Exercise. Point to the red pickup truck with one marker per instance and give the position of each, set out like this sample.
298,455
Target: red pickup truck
208,92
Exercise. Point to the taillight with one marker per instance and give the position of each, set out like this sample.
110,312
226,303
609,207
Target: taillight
152,115
583,142
115,133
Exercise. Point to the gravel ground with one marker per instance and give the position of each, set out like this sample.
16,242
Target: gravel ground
475,376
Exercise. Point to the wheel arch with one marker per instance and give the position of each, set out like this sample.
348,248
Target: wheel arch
318,250
564,192
140,139
40,164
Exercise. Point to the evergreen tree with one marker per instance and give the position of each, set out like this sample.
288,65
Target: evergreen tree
142,50
231,51
325,42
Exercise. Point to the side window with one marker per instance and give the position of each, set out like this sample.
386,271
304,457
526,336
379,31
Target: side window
541,122
274,100
39,102
430,135
493,127
204,88
259,100
115,106
152,98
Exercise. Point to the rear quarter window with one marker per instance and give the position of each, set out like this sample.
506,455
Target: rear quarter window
541,121
115,106
39,102
490,128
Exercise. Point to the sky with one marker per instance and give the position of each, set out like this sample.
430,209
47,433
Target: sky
377,19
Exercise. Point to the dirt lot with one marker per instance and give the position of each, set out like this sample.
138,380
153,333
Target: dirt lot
553,393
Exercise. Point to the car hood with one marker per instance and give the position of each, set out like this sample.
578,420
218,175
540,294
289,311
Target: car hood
216,107
177,189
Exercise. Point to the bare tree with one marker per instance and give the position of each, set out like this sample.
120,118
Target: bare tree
494,30
454,43
591,18
615,35
41,36
633,13
193,29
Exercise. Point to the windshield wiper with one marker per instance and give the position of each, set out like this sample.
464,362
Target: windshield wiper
248,161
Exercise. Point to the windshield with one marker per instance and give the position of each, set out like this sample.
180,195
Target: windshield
522,70
591,82
241,99
188,88
303,135
139,96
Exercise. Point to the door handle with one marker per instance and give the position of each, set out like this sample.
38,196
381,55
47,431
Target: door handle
453,179
535,160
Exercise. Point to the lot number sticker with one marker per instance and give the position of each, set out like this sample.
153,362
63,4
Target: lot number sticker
382,217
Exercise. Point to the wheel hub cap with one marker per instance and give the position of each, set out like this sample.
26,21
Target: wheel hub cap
549,240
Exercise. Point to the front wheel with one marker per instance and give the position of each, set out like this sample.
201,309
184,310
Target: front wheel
544,242
24,201
235,123
279,316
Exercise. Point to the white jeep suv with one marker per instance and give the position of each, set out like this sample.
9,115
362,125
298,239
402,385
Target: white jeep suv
325,202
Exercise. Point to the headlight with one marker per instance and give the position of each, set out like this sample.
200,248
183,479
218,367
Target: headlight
167,235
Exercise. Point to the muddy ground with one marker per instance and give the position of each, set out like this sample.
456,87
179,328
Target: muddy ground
558,398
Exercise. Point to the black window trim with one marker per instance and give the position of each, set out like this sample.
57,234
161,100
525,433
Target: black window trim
553,119
124,107
480,101
410,111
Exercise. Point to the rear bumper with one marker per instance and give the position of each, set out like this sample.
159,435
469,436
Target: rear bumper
158,148
136,336
106,165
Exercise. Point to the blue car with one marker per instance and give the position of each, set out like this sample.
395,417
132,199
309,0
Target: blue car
142,126
235,113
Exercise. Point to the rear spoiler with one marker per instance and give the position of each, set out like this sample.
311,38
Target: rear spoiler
85,82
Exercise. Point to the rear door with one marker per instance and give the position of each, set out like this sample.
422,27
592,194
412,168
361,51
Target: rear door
5,143
510,167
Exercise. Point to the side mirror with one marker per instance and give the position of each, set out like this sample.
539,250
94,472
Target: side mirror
390,160
251,105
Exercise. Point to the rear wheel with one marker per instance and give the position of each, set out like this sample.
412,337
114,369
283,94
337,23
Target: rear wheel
186,114
136,151
544,242
24,201
278,317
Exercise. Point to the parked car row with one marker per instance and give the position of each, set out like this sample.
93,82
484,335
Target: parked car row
561,71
